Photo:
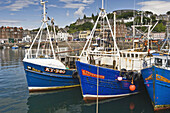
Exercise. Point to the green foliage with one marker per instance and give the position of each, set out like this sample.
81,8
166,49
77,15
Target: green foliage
95,17
92,16
125,15
110,15
153,17
98,26
146,20
86,26
148,12
160,28
84,17
129,24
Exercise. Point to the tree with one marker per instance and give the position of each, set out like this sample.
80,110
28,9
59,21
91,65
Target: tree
168,12
86,26
160,28
148,12
84,16
93,17
125,15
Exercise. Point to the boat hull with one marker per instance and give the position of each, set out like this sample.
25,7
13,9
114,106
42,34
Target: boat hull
15,47
42,78
109,86
157,82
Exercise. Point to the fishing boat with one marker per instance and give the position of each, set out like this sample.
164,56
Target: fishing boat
156,75
44,71
15,47
27,46
132,59
101,75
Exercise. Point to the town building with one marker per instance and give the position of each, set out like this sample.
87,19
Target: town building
119,12
82,21
62,35
123,20
75,35
33,34
163,17
121,31
158,36
83,35
11,34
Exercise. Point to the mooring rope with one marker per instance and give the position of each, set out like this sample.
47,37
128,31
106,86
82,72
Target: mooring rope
97,100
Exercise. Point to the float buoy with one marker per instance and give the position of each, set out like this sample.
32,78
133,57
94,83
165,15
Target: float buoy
119,78
132,87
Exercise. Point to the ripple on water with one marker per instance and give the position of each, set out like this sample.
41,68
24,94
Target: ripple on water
13,87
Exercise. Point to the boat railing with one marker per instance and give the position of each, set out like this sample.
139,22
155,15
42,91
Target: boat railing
39,54
103,53
149,61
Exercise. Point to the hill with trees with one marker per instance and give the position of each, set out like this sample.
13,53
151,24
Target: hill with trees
124,15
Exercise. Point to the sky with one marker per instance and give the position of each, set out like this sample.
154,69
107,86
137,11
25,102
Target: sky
28,13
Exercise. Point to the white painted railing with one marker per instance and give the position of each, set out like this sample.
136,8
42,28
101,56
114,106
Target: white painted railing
41,53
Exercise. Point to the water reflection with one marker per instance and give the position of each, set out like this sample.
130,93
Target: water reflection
13,86
11,57
15,97
64,101
70,101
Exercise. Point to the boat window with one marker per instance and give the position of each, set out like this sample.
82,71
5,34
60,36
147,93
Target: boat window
168,63
128,55
132,55
120,54
141,56
124,55
136,55
158,62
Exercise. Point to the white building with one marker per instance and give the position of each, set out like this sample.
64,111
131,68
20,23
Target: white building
63,35
130,19
158,36
27,39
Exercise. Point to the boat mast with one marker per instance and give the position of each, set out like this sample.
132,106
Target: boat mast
102,15
45,21
166,40
133,27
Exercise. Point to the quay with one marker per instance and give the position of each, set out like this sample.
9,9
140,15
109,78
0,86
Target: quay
76,44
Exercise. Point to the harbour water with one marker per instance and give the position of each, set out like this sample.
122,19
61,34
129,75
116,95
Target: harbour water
15,98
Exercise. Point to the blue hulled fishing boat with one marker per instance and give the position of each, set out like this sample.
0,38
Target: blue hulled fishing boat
109,84
157,82
44,71
156,75
99,67
15,47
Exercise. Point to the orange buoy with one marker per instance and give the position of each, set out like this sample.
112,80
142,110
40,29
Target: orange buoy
132,87
132,106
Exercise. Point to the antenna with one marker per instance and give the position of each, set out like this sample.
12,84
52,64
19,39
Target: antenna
142,17
102,4
44,9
